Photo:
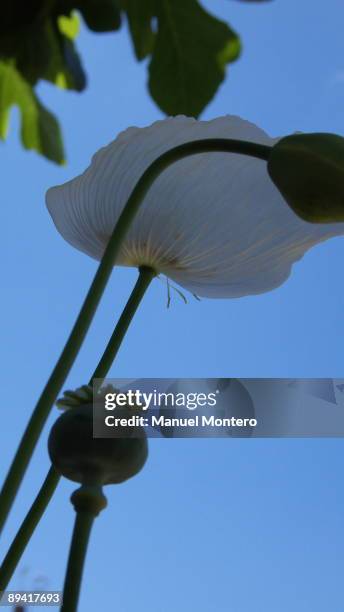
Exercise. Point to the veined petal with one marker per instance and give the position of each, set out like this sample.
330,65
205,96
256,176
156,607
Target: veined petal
212,222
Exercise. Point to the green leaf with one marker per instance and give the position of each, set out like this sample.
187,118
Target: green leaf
69,26
46,51
16,14
100,15
65,68
71,75
39,128
190,55
140,15
30,49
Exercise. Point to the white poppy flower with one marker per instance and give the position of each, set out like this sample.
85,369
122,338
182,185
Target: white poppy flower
214,222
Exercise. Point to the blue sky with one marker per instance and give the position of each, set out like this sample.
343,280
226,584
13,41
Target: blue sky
209,524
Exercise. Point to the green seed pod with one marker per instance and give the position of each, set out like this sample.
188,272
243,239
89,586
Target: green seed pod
78,456
308,170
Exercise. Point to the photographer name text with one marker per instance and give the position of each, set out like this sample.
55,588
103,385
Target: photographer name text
162,421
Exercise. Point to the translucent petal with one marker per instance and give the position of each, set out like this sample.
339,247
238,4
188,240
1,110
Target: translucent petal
214,222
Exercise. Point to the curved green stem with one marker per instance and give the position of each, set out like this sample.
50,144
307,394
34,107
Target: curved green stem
44,496
27,528
73,344
145,277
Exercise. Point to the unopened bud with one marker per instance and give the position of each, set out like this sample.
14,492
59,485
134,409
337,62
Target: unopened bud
308,170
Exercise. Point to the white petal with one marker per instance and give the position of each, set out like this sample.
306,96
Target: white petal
213,222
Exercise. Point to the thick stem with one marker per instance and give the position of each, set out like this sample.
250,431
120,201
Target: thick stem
52,479
88,503
73,344
77,554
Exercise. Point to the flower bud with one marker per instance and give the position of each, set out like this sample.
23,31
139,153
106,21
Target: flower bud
78,456
308,170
